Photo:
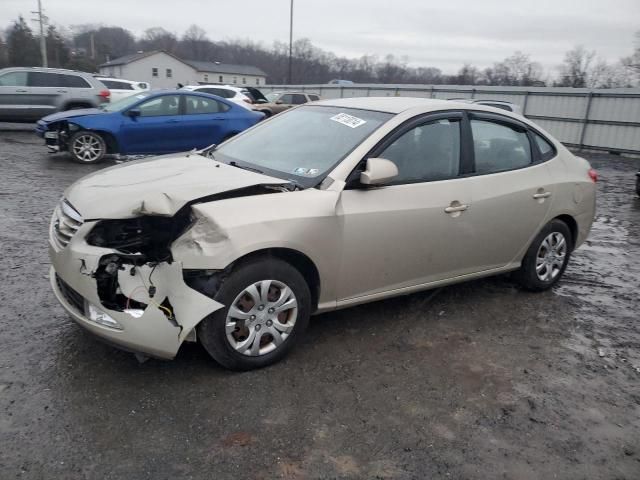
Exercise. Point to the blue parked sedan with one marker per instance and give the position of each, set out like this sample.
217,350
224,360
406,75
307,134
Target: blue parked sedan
147,123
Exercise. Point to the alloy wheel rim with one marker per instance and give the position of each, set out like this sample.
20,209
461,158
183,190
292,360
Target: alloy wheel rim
87,148
551,256
261,318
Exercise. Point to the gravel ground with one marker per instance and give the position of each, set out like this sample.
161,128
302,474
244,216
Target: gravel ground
475,381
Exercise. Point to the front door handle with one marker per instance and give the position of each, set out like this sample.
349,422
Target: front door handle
21,91
62,91
456,207
541,195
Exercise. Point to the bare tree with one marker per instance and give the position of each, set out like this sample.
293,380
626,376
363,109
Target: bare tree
157,38
574,72
467,75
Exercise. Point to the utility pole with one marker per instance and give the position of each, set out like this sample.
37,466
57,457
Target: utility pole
42,20
290,42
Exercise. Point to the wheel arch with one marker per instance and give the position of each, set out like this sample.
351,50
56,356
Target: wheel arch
76,103
297,260
573,226
108,137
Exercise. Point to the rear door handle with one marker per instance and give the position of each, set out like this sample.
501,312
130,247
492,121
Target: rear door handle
21,91
541,195
62,91
173,121
456,208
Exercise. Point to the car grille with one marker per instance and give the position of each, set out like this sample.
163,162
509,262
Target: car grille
65,223
71,296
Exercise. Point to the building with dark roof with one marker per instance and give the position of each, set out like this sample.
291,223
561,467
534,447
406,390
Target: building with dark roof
164,70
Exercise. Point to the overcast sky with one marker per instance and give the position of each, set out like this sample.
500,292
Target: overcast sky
441,33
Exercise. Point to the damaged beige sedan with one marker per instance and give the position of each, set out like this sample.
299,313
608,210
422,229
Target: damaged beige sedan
326,206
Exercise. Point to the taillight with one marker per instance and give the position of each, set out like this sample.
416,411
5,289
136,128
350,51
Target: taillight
104,94
593,175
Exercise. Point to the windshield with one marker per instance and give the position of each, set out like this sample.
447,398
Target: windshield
303,144
272,96
124,103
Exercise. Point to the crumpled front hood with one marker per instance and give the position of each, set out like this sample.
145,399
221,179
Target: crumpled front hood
157,186
66,115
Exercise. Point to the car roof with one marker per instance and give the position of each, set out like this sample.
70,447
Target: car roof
397,105
388,104
49,70
117,79
212,85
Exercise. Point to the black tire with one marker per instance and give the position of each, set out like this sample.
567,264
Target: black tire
98,147
527,276
267,113
212,330
638,184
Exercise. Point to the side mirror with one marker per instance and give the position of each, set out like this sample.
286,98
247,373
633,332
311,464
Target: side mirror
379,171
134,112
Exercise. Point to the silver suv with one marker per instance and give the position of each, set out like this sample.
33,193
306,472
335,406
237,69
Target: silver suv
29,93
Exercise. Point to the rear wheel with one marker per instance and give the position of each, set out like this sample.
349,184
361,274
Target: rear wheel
267,308
87,147
545,261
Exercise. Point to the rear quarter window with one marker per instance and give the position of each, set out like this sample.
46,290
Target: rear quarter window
547,150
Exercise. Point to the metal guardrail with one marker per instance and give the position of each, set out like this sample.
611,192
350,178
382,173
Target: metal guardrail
597,119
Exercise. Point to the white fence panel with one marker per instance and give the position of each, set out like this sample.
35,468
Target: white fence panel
605,119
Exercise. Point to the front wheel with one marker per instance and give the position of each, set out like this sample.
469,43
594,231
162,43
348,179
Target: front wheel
87,147
547,258
267,308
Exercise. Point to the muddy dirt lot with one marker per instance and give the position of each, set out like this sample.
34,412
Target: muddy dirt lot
476,381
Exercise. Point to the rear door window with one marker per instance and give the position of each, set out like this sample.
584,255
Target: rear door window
298,99
14,79
42,79
201,105
499,147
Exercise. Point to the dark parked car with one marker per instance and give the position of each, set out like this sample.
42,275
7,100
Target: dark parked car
146,123
30,93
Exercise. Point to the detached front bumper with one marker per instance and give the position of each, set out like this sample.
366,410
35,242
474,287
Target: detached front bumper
149,330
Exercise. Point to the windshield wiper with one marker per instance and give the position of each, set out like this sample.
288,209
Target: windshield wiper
244,167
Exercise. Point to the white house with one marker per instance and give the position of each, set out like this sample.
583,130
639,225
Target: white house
164,70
